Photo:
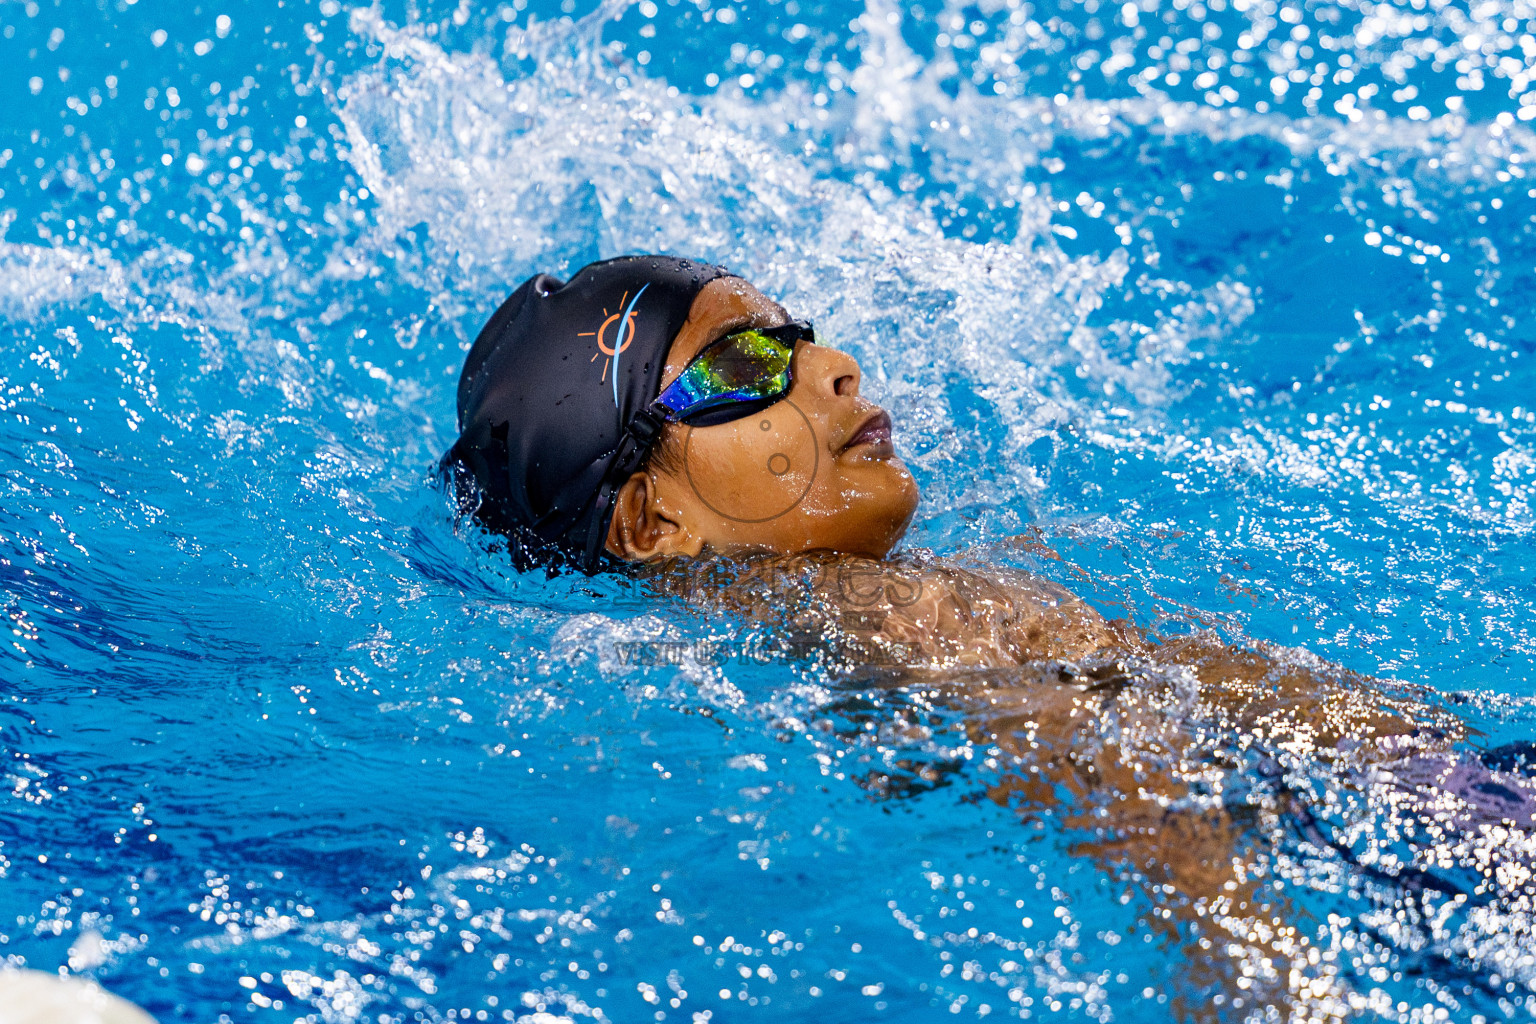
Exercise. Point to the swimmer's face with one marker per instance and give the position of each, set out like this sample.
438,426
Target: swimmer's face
814,471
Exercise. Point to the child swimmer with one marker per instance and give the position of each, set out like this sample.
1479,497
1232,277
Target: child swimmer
666,415
575,423
661,411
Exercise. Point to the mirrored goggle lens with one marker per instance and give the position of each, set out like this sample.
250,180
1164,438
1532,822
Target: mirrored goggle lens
745,367
748,361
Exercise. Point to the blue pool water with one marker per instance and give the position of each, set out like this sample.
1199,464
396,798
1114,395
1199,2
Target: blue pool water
1230,300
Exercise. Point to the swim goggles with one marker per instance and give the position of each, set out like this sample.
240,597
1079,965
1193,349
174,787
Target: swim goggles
734,376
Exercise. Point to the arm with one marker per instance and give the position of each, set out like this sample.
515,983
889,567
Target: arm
1133,749
1127,742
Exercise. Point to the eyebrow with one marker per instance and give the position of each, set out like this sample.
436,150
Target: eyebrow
737,323
730,327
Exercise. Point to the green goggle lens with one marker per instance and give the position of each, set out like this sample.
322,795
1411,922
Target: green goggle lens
734,376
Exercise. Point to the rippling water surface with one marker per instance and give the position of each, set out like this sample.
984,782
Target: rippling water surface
1229,301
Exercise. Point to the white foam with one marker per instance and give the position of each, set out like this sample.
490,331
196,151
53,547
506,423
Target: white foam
32,997
576,159
33,277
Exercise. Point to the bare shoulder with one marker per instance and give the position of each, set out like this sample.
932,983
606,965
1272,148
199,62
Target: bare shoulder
933,607
959,615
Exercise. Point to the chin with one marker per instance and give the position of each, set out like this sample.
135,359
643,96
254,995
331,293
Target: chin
897,532
879,525
906,505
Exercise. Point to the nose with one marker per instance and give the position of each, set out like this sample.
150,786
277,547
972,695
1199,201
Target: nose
828,371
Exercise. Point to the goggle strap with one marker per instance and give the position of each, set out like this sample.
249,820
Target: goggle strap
645,425
634,447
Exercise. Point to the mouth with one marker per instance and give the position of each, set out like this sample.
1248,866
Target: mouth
873,434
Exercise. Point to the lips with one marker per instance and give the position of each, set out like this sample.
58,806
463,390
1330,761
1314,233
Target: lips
874,431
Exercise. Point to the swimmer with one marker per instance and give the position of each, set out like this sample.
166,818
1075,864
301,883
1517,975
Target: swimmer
663,417
654,408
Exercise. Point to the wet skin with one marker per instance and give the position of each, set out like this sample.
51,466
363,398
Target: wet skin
1143,799
814,471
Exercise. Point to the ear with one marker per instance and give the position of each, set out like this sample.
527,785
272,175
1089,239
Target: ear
642,530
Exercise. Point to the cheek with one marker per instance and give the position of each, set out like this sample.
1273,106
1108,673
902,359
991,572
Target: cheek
756,469
867,494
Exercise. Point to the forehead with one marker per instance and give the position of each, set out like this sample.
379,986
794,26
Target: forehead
724,305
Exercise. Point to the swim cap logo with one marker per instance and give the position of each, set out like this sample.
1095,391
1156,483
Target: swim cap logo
623,334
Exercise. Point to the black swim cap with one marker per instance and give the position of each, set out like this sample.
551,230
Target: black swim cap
552,396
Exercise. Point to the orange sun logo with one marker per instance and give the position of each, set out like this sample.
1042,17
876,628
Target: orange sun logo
601,334
624,334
